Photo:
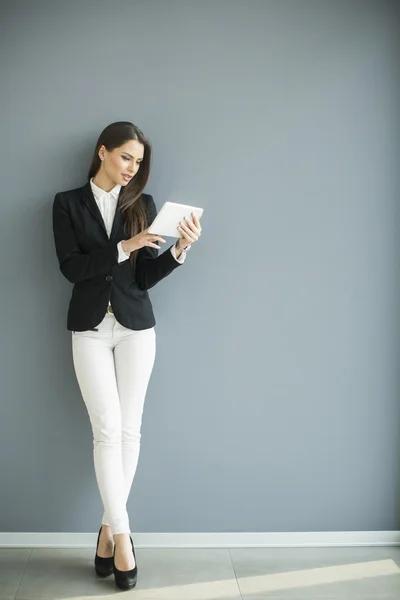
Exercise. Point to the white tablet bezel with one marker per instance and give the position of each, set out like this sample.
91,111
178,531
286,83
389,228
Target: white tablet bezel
170,215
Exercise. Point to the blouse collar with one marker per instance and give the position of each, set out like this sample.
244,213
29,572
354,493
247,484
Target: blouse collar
100,192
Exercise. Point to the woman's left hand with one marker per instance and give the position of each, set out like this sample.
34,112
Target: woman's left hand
191,231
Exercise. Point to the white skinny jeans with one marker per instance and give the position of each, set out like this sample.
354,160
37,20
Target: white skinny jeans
113,367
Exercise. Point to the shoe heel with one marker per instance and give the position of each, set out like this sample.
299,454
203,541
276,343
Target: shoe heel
103,566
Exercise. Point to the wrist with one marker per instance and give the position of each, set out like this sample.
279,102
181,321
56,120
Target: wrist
125,247
182,248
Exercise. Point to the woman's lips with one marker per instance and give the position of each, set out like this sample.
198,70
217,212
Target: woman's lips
127,177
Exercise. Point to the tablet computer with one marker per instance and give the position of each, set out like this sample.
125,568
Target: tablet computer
169,217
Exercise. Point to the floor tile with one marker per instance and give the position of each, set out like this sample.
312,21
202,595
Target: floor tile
192,574
52,574
310,573
12,565
170,574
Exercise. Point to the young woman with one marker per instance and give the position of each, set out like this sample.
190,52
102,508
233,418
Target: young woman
104,249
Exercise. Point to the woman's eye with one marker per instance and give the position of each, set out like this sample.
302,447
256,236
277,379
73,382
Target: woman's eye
138,163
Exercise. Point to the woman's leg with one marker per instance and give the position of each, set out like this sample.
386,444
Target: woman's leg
95,371
134,361
134,357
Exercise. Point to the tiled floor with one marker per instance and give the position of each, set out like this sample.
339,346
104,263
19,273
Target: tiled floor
371,573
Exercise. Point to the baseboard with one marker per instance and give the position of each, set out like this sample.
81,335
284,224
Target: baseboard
208,540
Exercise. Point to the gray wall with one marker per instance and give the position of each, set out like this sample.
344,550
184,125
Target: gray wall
274,400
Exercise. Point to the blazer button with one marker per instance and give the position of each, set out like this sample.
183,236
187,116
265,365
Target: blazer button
109,278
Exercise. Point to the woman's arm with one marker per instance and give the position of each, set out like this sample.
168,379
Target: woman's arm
74,264
152,267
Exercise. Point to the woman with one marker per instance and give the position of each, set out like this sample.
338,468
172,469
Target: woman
104,249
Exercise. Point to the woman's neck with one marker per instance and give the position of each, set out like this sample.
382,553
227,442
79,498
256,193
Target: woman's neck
104,182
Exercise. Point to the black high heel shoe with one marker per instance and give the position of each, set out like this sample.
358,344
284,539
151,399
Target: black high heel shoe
103,566
126,580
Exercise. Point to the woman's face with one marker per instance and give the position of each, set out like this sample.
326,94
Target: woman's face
121,164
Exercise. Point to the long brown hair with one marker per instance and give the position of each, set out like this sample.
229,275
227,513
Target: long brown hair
130,200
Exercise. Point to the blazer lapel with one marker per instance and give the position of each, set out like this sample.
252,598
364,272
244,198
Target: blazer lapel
118,218
94,210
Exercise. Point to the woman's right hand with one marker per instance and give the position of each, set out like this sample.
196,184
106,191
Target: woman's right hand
141,240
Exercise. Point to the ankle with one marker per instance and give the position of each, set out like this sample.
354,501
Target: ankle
122,539
106,533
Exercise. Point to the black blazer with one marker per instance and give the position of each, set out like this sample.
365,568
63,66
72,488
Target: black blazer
88,258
